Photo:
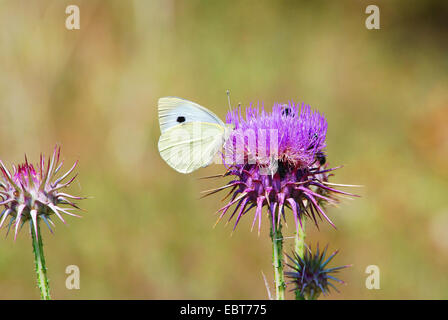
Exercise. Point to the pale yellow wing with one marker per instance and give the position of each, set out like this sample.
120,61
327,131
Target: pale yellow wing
190,146
174,111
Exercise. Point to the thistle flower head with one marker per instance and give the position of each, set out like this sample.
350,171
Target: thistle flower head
292,137
29,194
310,274
277,159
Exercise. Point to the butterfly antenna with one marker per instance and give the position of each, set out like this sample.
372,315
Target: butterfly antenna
228,100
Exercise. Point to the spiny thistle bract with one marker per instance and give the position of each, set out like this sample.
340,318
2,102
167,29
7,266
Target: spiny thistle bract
301,181
29,194
310,275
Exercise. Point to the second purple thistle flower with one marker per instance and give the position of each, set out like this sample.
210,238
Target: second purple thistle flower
291,137
29,194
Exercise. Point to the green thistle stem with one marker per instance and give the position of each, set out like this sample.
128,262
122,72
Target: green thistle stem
277,261
39,261
299,248
299,240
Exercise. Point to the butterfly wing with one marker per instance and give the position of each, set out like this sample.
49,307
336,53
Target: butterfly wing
174,111
191,145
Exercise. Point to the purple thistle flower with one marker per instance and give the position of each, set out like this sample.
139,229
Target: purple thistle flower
299,135
291,137
30,194
311,275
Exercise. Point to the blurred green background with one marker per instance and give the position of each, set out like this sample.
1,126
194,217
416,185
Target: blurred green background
146,234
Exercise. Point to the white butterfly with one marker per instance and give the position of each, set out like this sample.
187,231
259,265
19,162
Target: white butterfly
191,134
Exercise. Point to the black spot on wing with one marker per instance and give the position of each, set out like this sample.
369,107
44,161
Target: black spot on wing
180,119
